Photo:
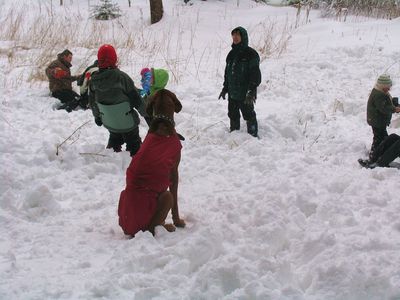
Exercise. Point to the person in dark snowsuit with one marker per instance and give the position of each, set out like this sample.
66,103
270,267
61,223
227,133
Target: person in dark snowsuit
83,82
113,97
380,108
241,79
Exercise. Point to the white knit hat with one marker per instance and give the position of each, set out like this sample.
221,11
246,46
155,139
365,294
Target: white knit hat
384,80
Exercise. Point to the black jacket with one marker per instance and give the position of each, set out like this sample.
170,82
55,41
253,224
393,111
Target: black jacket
379,109
242,71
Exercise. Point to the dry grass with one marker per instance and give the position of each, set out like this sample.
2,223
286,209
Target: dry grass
272,38
383,9
36,39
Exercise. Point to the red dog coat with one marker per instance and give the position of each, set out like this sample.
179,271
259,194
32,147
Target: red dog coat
147,176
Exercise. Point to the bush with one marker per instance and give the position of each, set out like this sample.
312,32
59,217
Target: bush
370,8
106,11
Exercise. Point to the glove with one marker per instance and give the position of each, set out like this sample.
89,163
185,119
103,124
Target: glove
250,98
98,121
222,94
143,93
395,101
60,73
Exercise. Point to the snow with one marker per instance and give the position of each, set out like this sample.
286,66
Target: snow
288,216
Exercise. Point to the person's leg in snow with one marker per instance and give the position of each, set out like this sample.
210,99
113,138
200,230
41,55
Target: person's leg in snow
379,135
234,115
391,152
68,98
115,141
251,118
132,140
387,151
84,101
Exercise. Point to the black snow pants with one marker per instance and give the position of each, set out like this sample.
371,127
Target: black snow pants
248,113
387,151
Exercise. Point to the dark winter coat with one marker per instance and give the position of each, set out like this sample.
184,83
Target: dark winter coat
112,90
58,84
379,109
81,79
84,79
242,71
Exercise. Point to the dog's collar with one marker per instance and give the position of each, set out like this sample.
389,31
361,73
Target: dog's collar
164,117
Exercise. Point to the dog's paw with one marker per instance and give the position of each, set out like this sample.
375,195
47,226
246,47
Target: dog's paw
179,223
169,227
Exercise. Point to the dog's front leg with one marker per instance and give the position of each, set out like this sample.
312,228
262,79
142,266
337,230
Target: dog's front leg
178,222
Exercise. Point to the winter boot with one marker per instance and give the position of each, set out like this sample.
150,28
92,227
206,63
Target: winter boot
64,106
72,105
234,125
84,101
365,163
371,155
115,147
252,128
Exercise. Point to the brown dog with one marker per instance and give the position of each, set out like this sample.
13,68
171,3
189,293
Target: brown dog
161,107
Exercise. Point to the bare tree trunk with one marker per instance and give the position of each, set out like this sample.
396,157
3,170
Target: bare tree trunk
61,2
156,10
129,1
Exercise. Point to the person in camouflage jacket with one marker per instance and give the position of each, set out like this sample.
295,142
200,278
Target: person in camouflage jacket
60,81
241,79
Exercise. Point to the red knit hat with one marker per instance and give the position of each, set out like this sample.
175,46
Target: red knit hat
107,57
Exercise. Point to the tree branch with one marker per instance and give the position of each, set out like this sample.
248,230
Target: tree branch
59,145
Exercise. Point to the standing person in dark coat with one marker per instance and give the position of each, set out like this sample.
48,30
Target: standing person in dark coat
113,97
380,108
241,79
60,81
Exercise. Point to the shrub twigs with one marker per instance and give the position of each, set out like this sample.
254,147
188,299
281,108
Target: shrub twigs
68,138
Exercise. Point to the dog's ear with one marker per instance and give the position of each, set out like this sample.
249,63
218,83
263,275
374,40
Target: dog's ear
149,106
177,103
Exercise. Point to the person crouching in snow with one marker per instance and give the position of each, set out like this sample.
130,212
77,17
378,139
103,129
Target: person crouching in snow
60,81
380,108
113,97
145,202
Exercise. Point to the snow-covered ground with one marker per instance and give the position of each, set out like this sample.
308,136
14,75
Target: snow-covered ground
288,216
